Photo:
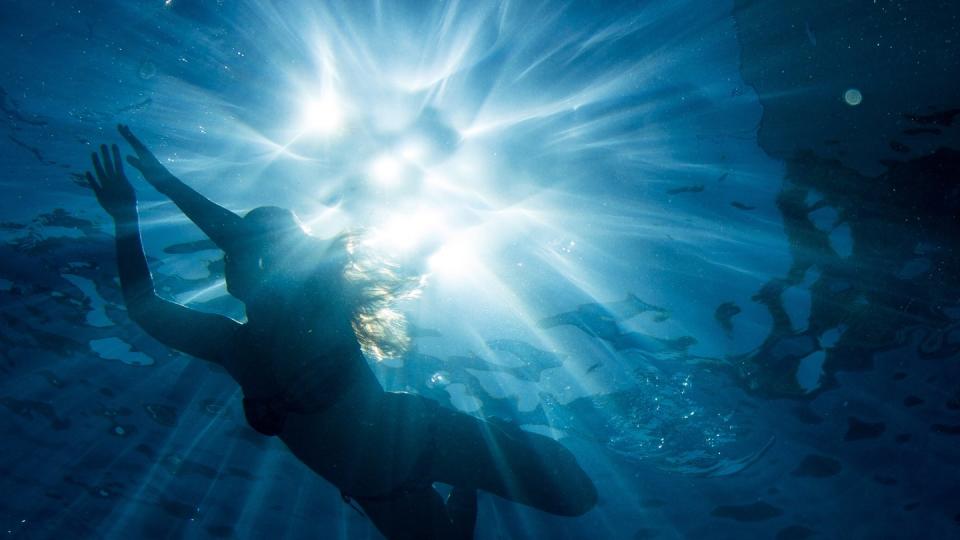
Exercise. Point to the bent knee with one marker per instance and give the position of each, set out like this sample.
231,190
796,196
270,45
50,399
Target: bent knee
570,491
525,467
578,494
582,499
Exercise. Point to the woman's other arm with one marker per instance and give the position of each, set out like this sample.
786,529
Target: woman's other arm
219,224
203,335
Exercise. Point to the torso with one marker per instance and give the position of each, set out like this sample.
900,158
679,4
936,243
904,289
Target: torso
307,372
361,439
352,433
305,342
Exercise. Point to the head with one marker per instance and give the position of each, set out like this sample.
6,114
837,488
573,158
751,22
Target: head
277,265
266,255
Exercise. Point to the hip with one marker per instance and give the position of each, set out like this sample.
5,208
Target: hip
366,445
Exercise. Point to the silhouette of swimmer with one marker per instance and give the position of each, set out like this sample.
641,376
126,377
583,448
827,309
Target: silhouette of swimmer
305,379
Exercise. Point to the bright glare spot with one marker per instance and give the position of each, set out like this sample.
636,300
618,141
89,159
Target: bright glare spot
412,151
435,179
323,115
455,259
386,169
406,232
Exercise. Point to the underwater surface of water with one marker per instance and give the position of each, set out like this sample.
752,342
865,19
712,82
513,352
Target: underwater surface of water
710,247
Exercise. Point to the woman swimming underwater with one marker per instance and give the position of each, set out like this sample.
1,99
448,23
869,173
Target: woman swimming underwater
304,377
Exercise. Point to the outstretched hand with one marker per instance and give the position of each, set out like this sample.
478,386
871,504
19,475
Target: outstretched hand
113,190
145,162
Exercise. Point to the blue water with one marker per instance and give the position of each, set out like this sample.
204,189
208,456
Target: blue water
710,247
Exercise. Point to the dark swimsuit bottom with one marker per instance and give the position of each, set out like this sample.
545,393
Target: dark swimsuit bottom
268,415
418,480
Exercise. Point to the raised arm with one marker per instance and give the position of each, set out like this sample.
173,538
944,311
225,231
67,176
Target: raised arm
219,224
203,335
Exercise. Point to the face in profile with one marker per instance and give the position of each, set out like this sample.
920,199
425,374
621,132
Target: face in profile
264,262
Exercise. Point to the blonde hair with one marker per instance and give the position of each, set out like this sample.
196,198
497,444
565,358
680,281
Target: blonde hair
378,283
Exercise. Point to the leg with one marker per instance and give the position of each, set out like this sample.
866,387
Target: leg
422,515
505,460
462,509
